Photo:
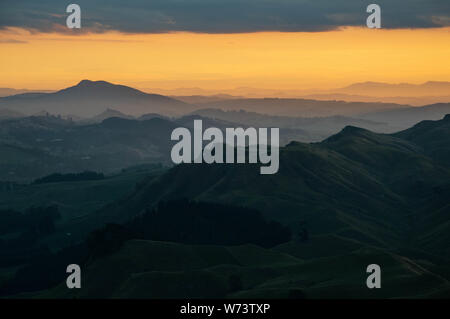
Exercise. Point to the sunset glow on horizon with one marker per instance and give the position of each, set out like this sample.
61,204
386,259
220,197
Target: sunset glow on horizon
276,60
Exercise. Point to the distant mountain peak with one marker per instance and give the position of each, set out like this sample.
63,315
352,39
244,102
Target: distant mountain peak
84,82
103,88
89,83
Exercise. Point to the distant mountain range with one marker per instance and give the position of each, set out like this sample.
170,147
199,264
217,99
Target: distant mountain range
407,117
95,101
390,117
404,93
300,107
8,91
200,99
410,100
312,129
431,88
88,98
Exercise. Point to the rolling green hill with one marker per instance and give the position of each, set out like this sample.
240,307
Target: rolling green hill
354,199
75,200
146,269
432,136
377,189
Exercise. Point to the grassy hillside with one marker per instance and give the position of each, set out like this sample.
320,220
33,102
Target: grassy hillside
145,269
354,199
76,201
377,189
432,136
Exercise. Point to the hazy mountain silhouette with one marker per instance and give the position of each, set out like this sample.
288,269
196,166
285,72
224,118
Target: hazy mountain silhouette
313,129
149,116
300,107
200,99
430,88
40,145
36,146
406,117
371,92
108,113
9,91
410,100
88,98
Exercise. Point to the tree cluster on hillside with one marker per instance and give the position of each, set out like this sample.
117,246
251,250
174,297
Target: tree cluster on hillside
191,222
73,177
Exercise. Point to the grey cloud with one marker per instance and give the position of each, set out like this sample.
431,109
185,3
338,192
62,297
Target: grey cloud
222,16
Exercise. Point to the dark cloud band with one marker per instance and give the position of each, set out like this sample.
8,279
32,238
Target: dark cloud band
222,16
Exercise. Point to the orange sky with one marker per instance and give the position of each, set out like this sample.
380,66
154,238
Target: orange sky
294,60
